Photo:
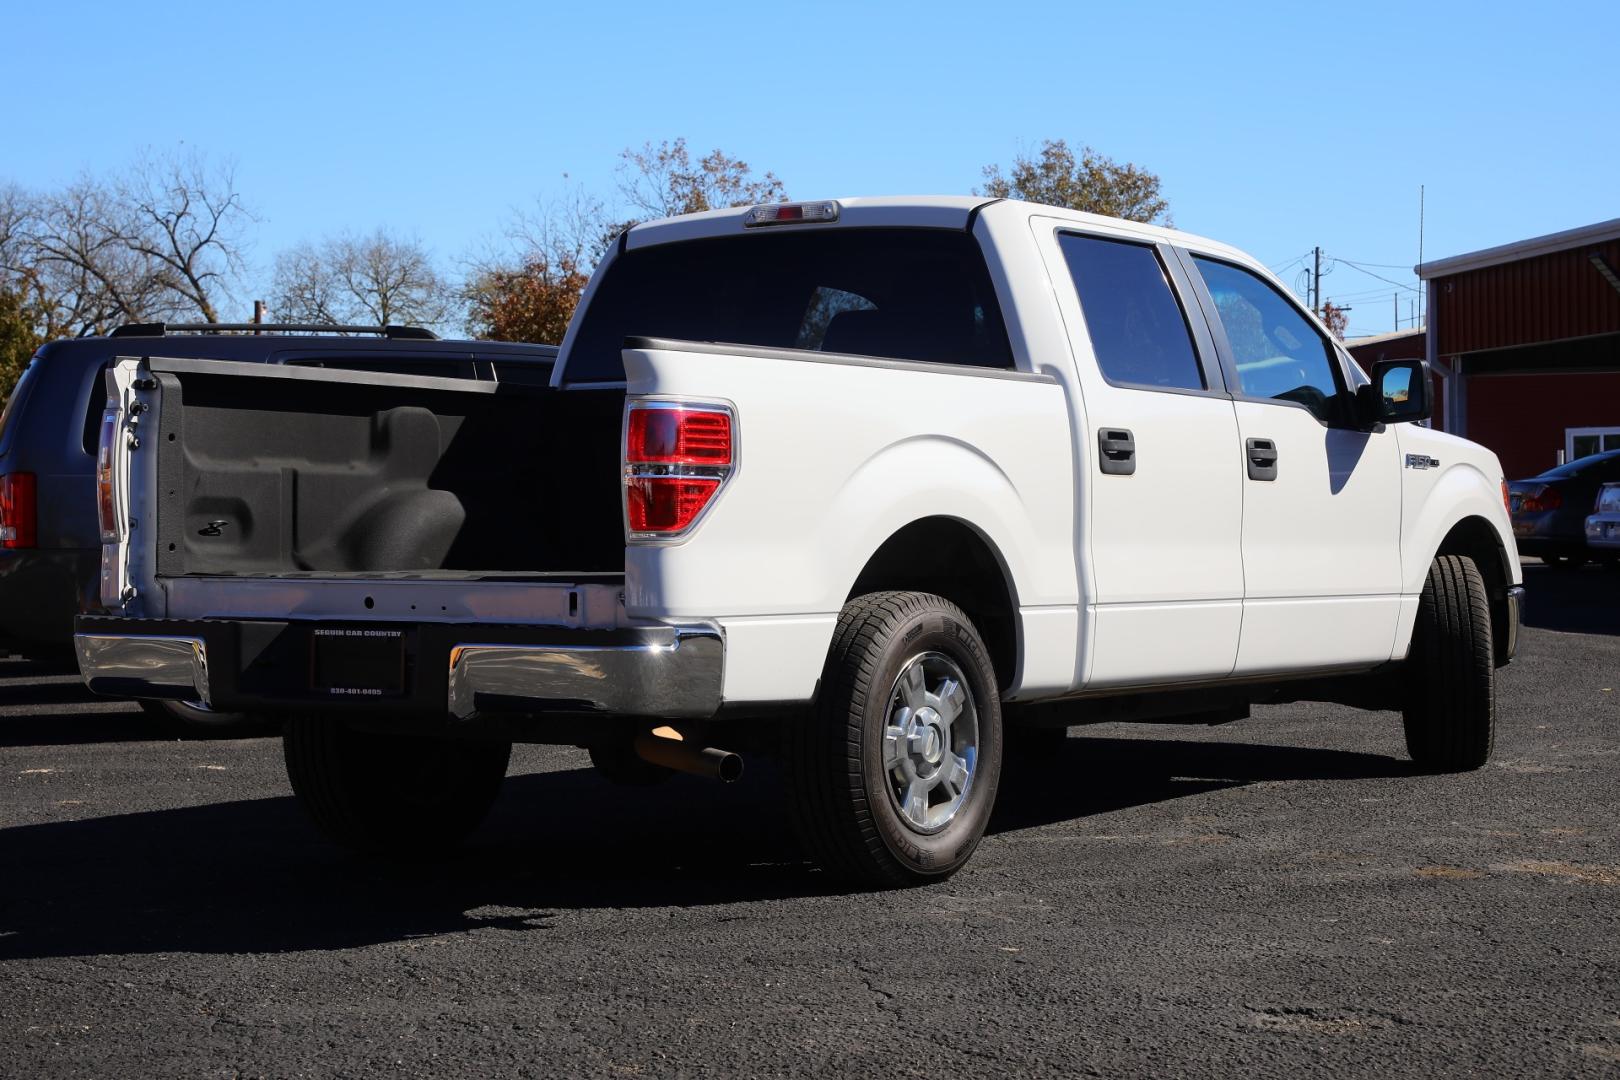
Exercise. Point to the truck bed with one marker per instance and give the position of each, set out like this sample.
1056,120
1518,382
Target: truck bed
290,472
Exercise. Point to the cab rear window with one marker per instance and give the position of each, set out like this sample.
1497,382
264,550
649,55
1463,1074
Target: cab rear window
903,294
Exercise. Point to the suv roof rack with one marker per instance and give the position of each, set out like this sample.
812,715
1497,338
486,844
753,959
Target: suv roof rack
158,329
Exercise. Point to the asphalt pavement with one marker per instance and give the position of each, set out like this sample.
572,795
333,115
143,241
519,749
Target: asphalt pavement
1282,896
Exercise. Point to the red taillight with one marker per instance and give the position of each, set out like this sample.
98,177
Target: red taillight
19,510
1507,501
675,459
666,504
1544,498
106,493
677,436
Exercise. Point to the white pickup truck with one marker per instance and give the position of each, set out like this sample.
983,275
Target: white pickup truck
864,483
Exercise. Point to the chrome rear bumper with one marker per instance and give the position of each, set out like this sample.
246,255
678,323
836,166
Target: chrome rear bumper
678,677
144,666
655,671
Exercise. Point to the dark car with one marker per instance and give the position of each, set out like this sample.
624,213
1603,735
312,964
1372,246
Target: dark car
50,542
1549,511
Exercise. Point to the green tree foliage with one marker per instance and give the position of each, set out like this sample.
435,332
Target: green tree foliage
1093,182
19,334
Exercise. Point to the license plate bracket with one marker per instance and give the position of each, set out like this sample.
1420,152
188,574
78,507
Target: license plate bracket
348,661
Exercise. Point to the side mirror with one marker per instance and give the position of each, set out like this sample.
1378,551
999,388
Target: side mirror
1400,391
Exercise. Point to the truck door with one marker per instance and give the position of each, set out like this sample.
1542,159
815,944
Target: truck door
1161,491
1321,499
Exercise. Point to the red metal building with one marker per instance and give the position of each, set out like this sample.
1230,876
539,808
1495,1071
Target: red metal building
1525,339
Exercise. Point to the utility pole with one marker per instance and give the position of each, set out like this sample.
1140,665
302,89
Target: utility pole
1395,298
1316,285
1422,296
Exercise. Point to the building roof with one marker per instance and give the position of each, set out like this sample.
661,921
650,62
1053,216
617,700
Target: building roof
1378,339
1599,233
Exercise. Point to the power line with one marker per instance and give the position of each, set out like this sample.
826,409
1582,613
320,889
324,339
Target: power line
1380,277
1381,266
1368,294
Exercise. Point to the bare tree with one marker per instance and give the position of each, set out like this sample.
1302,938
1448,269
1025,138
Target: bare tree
16,208
304,287
573,228
662,181
159,242
79,251
379,279
185,218
528,288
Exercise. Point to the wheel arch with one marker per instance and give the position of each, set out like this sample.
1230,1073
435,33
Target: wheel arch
951,558
1477,539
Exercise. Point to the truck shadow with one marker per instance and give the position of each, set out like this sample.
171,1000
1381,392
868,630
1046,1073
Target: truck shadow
250,876
1584,601
79,728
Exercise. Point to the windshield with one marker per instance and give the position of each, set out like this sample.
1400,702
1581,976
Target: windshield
907,294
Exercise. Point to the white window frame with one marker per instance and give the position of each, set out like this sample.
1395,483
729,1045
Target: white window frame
1571,434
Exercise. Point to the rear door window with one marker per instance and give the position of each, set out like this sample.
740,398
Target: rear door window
1138,331
904,294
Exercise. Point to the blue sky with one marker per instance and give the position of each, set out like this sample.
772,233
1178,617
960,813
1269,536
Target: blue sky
1274,127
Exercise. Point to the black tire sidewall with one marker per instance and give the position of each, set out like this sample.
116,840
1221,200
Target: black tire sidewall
934,854
1449,714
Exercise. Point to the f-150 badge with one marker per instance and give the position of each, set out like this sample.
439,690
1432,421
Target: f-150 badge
1421,461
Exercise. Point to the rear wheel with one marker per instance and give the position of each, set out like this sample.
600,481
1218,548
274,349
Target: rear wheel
1450,707
892,777
400,794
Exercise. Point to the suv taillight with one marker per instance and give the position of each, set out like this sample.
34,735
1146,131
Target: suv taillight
19,510
106,490
676,456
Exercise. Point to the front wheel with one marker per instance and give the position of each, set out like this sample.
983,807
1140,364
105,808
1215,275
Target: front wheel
399,794
892,777
1450,707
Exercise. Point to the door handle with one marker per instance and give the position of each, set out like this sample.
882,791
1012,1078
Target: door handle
1116,451
1262,458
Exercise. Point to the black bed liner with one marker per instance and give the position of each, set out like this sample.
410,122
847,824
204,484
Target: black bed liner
282,472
